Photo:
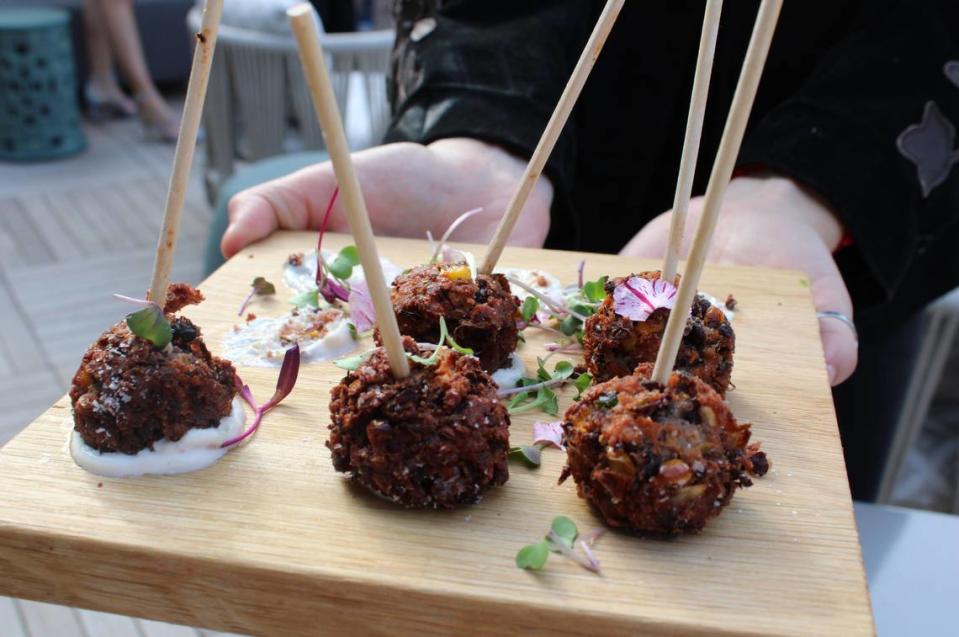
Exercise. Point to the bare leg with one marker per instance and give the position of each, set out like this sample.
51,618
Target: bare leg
125,40
102,89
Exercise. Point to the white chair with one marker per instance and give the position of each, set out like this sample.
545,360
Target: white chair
258,104
941,324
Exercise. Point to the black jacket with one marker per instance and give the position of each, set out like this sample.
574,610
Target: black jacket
843,82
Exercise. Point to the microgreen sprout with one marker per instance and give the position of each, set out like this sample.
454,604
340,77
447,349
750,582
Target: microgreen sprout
284,385
537,393
438,247
562,539
530,454
259,287
150,323
529,309
431,360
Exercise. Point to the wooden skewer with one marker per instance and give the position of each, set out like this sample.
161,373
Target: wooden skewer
553,129
694,131
324,101
718,180
185,146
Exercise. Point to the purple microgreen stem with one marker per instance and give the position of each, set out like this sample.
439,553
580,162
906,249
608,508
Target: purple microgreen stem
259,286
579,274
284,385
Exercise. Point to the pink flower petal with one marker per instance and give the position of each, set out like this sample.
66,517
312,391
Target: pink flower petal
362,313
549,434
637,298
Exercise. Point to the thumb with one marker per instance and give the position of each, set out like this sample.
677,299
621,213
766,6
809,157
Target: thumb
294,202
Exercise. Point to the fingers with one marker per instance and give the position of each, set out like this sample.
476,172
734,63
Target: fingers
841,349
839,341
293,202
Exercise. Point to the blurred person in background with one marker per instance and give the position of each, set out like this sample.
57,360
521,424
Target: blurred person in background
113,40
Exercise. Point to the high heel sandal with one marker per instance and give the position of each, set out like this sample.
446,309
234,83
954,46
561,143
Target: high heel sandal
165,129
103,108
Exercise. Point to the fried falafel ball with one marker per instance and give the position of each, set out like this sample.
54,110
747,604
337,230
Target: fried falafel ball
657,460
614,345
127,394
438,438
480,313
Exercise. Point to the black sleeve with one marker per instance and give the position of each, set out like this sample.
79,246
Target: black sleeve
872,131
487,69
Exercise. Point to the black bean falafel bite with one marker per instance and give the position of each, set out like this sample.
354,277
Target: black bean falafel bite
437,438
657,460
480,313
614,344
128,394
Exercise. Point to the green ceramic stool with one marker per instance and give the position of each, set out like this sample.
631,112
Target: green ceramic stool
39,117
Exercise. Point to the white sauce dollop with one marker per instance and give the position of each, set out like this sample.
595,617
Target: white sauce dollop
302,278
509,376
258,343
540,280
197,449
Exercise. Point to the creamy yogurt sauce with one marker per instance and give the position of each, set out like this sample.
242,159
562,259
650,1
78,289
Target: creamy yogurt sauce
509,376
302,278
322,335
540,280
197,449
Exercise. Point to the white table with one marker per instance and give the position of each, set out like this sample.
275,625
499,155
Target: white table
912,563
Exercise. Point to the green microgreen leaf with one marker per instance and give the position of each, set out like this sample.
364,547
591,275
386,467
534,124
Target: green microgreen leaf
565,530
580,308
431,360
310,298
563,369
151,324
530,308
533,556
263,287
531,455
342,265
582,382
545,400
352,363
541,373
569,325
595,291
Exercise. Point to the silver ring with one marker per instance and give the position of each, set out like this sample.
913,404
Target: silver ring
842,318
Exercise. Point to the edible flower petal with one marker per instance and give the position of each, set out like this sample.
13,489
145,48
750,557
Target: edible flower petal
637,298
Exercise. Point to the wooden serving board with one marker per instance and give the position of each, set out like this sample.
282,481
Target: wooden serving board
272,541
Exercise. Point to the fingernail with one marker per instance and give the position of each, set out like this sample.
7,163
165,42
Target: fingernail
831,371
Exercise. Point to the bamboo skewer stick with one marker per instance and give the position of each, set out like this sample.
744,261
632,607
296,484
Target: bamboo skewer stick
691,142
553,129
722,172
321,90
185,147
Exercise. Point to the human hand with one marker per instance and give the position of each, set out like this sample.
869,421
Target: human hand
408,188
770,221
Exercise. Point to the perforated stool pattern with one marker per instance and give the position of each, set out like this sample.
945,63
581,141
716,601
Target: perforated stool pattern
39,117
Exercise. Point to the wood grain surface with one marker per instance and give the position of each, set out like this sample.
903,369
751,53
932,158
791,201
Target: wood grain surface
272,541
